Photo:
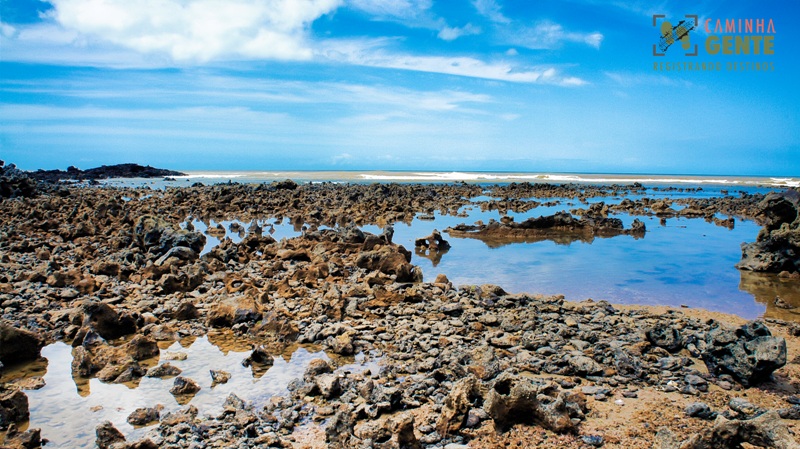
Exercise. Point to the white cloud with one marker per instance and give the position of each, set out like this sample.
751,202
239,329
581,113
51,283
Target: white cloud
197,30
549,35
371,54
342,158
452,33
393,9
413,14
7,30
630,79
491,10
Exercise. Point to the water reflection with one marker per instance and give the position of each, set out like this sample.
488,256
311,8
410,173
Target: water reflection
68,408
766,287
557,237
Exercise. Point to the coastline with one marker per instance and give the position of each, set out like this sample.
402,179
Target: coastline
84,263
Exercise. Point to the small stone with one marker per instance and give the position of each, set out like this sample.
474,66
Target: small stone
219,377
697,382
700,410
593,440
143,416
174,356
184,385
163,370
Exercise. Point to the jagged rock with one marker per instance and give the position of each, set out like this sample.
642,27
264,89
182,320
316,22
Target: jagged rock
156,234
142,416
286,184
777,247
163,370
665,336
13,407
30,439
585,366
108,435
106,321
234,310
186,311
317,367
766,430
464,396
396,432
184,385
329,385
15,183
181,253
750,353
390,261
17,345
700,410
219,377
559,227
259,356
433,242
141,348
512,400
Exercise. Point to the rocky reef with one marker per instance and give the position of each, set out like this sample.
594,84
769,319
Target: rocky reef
103,172
117,272
560,227
777,247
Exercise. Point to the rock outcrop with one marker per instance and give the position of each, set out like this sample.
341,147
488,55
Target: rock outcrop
559,227
777,247
750,353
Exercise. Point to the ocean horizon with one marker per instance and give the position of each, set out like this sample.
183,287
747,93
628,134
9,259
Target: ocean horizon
487,177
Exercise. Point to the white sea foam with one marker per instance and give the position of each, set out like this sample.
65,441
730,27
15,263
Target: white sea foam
577,178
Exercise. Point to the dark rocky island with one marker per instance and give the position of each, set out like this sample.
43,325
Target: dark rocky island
103,172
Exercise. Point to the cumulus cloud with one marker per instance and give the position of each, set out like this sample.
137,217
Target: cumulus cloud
198,30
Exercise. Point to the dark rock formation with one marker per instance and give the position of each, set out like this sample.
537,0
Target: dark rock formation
106,321
13,407
750,353
108,435
17,345
777,247
15,183
766,430
104,172
560,227
184,385
157,235
513,399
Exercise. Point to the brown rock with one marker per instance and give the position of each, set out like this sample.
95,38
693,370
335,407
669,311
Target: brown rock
108,435
13,407
17,345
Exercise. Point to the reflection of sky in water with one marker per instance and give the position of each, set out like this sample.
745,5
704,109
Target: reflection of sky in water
67,418
687,262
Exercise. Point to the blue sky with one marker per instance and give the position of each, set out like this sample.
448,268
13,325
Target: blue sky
391,84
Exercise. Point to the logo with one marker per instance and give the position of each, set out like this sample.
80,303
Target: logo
671,34
734,44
